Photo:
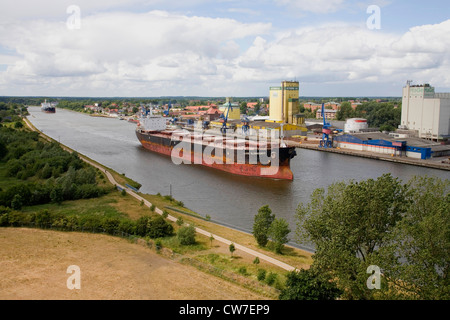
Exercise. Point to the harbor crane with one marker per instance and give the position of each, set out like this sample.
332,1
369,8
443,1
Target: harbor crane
225,118
326,141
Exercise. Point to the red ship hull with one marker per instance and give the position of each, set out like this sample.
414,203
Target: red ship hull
281,171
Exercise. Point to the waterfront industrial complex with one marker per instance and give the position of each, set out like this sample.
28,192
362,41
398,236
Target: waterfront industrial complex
422,133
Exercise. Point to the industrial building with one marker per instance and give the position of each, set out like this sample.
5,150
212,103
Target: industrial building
355,125
385,144
284,108
425,114
284,102
233,113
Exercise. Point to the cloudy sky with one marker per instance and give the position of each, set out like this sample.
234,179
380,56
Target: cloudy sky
151,48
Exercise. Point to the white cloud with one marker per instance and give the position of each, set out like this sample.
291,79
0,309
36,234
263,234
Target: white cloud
345,53
316,6
116,47
162,53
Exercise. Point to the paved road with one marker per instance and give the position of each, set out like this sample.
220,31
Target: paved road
172,218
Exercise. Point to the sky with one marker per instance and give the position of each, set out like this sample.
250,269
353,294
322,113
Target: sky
224,48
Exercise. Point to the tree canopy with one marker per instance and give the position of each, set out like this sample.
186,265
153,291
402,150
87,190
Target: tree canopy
380,222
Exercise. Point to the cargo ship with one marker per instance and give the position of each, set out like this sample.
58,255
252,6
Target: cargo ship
47,107
232,154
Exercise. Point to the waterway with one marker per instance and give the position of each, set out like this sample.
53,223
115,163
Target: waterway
228,199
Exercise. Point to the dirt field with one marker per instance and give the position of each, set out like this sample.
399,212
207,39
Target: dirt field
33,265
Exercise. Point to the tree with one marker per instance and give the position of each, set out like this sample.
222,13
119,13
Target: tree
211,239
17,202
345,111
186,235
416,259
278,232
232,248
56,195
348,225
308,285
261,225
3,150
243,107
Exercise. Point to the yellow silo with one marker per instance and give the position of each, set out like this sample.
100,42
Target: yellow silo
284,102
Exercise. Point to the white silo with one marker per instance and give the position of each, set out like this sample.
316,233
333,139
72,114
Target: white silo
355,125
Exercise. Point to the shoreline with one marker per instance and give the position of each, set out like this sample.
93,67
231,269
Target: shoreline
372,155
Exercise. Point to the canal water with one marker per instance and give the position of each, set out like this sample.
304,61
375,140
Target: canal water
229,199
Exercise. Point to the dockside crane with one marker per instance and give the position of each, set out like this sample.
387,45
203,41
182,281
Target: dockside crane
167,112
225,118
326,141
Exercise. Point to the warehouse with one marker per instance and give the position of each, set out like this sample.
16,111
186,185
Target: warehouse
382,143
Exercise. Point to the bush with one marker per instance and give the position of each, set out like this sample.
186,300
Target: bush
243,271
43,218
261,274
152,207
270,279
158,244
158,228
180,203
186,235
308,285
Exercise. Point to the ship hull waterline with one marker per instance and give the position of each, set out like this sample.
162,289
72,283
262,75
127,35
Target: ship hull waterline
279,172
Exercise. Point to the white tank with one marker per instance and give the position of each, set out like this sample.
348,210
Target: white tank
355,125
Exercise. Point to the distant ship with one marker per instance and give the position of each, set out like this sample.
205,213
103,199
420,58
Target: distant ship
256,159
47,107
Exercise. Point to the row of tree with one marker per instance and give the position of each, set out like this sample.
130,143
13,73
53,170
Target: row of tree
146,226
267,227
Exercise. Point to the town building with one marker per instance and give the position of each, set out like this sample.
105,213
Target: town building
329,114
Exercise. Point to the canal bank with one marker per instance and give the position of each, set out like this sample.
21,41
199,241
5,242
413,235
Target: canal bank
433,164
229,200
208,231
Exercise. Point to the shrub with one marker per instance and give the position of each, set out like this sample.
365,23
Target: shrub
308,285
186,235
17,202
158,228
243,270
158,244
180,203
180,221
169,198
261,274
270,279
152,207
